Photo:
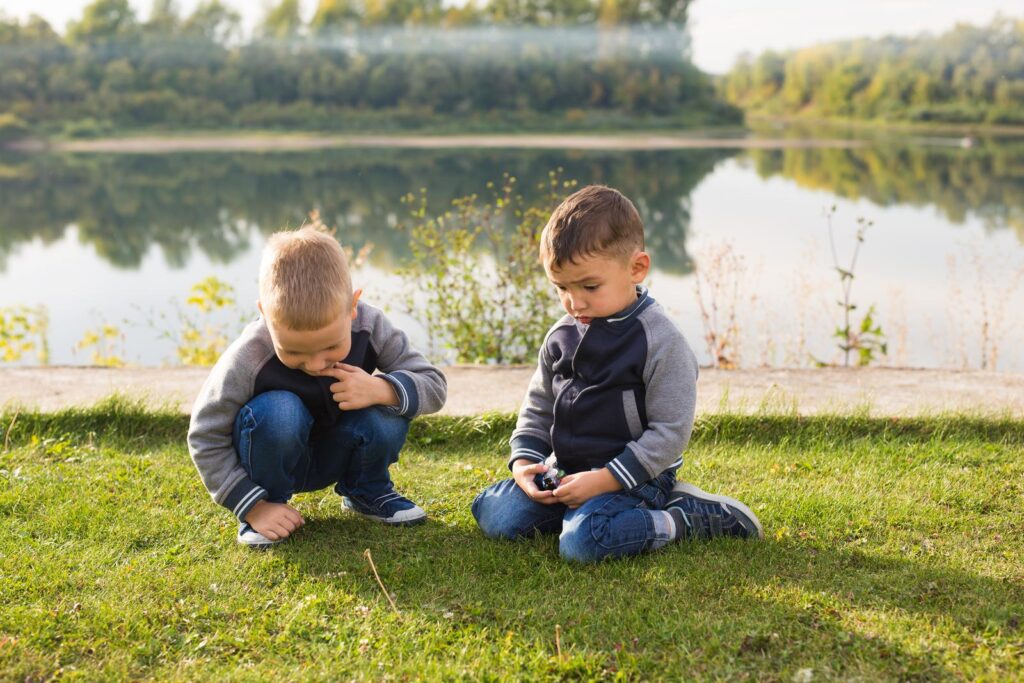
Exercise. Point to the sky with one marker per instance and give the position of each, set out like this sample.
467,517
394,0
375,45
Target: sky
721,29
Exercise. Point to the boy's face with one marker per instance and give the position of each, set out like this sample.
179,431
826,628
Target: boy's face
313,351
598,286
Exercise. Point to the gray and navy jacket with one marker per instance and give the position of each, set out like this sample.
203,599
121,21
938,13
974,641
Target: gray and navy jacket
618,393
250,367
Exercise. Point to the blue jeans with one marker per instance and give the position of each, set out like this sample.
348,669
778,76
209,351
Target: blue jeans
609,525
277,449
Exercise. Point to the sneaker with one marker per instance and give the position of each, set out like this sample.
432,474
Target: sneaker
389,508
708,515
252,538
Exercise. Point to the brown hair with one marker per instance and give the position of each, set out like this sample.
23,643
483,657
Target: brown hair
304,279
594,220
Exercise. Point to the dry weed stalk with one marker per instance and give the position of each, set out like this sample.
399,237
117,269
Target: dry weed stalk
997,281
10,428
809,308
717,280
373,566
897,322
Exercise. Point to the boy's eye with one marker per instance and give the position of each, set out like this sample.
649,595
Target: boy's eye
560,288
590,288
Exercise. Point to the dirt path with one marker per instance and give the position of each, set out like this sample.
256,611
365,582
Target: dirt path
161,144
477,389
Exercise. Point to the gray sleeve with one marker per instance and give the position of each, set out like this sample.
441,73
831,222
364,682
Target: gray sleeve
228,388
531,438
670,379
420,386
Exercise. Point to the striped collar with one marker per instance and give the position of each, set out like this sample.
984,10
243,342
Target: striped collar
643,300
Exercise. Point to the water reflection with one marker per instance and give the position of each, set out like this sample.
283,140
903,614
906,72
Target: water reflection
125,204
985,181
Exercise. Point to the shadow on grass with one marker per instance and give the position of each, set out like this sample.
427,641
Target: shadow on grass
755,606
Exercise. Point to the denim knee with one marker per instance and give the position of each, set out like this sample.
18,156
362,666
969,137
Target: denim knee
488,511
576,543
378,425
504,511
280,417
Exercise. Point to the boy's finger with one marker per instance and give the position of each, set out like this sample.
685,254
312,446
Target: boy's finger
347,368
545,497
332,372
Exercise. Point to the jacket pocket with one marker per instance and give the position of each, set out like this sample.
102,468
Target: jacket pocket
632,411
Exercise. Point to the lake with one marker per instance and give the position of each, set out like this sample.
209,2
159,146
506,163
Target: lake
119,239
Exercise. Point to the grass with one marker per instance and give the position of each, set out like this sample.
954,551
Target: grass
894,552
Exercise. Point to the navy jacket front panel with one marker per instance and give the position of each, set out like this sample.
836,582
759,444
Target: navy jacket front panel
315,392
597,377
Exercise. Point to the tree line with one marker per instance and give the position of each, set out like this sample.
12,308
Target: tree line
357,64
969,74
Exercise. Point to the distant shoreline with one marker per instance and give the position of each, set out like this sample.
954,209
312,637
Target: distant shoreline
219,142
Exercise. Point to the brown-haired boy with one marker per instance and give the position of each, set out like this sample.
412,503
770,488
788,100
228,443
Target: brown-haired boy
294,404
613,398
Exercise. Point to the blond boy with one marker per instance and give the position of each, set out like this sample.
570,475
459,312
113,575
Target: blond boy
318,391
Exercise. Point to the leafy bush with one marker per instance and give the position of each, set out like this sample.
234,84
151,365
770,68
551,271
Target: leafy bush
87,128
474,277
23,330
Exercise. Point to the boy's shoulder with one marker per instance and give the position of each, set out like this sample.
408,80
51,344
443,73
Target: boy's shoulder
658,326
249,352
253,344
371,320
368,316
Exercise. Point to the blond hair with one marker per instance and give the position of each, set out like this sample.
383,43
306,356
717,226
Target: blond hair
597,220
304,279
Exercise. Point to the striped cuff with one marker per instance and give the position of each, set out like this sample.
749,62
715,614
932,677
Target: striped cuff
243,497
628,471
405,389
528,448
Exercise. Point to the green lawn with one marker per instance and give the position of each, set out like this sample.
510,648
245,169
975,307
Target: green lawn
893,552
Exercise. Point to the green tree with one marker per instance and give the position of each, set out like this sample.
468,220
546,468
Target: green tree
213,21
282,20
332,15
164,18
104,20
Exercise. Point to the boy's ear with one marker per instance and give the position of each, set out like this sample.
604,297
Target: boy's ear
639,266
259,307
355,300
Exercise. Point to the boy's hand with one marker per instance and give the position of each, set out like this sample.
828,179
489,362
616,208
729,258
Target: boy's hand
523,471
357,389
274,520
576,489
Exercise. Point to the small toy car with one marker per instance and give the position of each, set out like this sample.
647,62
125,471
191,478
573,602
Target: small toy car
549,481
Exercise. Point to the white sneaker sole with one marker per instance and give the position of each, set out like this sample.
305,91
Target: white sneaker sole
691,490
254,539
